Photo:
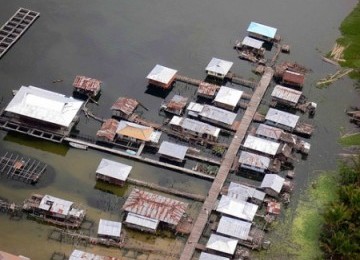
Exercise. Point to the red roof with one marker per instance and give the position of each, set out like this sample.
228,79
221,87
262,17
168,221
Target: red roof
125,105
294,77
273,208
88,84
207,89
108,129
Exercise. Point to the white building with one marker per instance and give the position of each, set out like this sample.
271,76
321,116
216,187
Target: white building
218,68
237,208
161,76
263,146
109,229
222,244
281,119
272,184
228,98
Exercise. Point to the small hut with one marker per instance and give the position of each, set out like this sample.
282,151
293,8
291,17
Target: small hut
161,76
208,256
137,133
254,162
108,130
87,86
281,119
113,172
286,96
253,45
272,184
260,145
222,244
81,255
218,68
237,208
293,78
207,90
242,192
228,98
175,105
273,208
261,31
124,107
173,151
109,229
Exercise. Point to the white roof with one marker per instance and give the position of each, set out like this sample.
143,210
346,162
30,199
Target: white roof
55,205
281,117
228,96
81,255
109,228
161,74
234,227
142,221
195,107
195,126
261,145
269,131
207,256
113,169
219,66
176,120
237,208
261,29
251,42
254,160
222,244
218,114
243,192
287,94
44,105
173,150
273,181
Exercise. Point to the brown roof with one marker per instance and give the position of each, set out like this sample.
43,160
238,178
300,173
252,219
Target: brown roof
176,103
294,77
125,105
273,208
7,256
133,130
155,206
207,89
88,84
108,129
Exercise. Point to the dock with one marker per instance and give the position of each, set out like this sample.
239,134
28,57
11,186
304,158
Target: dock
194,82
22,169
231,76
226,165
15,27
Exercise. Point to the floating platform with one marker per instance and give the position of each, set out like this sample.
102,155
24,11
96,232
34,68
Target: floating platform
15,27
22,169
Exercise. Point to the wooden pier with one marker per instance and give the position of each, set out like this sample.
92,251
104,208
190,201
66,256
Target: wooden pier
15,27
238,80
18,168
226,164
188,80
166,190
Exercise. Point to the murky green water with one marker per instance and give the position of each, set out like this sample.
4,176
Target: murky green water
119,42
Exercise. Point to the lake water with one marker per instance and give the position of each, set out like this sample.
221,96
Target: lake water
119,42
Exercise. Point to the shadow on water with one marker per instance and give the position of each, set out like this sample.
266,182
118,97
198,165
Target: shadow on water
157,92
112,189
105,201
36,143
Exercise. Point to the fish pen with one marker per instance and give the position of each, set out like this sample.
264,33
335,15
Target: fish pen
16,167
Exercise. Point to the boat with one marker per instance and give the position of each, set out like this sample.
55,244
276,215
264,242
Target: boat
130,152
54,211
78,146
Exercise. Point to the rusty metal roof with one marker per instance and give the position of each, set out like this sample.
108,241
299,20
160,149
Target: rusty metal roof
155,206
88,84
177,103
286,94
108,129
207,89
269,131
125,105
7,256
294,77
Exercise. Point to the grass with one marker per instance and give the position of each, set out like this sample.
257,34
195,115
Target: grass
350,140
351,40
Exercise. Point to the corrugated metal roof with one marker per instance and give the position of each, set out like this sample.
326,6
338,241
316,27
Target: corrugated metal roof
218,114
243,192
253,43
195,107
222,244
113,169
219,66
207,89
234,227
195,126
109,228
133,130
228,96
155,206
207,256
281,117
108,129
173,150
161,74
86,83
125,105
294,77
269,131
273,181
287,94
254,160
81,255
44,105
237,208
261,145
55,205
142,221
262,29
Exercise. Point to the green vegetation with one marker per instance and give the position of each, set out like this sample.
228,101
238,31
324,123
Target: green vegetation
349,140
340,233
351,41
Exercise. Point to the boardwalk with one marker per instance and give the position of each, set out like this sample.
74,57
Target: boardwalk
226,166
12,30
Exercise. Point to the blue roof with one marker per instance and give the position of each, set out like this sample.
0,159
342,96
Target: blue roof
261,29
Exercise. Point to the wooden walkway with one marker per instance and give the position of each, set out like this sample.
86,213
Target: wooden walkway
16,26
226,164
188,80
